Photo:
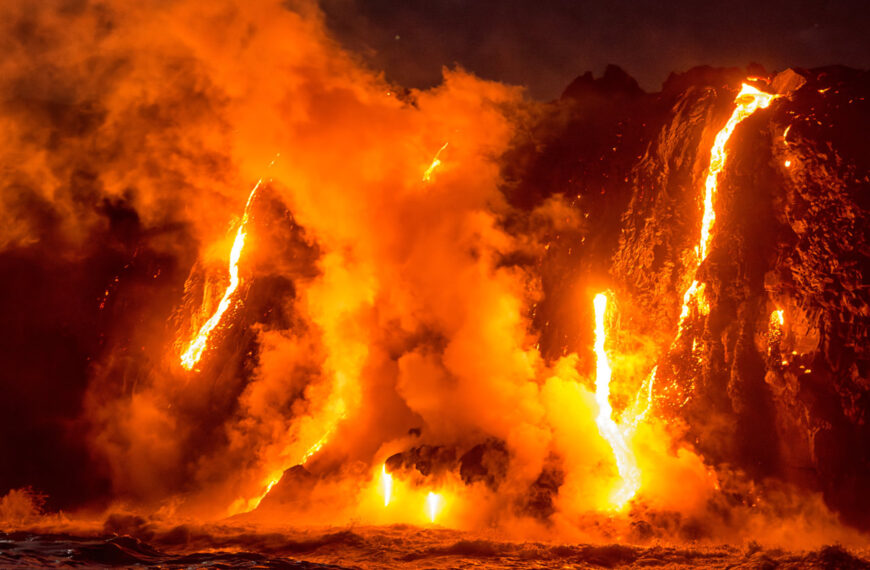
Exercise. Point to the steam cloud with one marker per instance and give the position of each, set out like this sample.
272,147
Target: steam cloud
377,312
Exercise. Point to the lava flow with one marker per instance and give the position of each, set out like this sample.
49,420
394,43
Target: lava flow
198,343
748,101
394,339
436,162
625,461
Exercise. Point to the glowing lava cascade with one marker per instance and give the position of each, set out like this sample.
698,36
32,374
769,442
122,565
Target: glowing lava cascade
197,345
748,101
625,461
436,162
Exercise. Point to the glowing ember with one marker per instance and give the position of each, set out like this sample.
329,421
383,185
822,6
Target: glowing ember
433,505
625,462
196,347
386,485
427,176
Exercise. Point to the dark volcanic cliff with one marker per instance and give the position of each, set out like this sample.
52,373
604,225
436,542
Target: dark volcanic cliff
791,233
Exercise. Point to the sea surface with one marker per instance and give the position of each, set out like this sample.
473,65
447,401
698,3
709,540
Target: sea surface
397,546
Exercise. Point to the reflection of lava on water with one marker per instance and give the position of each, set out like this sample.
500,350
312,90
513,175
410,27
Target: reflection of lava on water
383,547
618,318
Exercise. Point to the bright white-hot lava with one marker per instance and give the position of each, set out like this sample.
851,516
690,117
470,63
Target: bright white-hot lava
625,461
433,505
386,485
748,101
436,162
197,345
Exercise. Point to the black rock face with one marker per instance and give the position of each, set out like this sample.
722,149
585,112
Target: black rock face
791,234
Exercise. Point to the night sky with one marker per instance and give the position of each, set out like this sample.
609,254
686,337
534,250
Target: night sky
544,44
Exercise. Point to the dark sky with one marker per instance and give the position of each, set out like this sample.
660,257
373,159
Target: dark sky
544,44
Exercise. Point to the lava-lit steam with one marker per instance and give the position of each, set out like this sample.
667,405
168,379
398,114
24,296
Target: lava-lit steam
382,340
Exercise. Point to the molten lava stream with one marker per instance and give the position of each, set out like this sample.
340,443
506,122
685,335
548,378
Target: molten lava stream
436,162
198,344
386,485
433,505
625,461
748,101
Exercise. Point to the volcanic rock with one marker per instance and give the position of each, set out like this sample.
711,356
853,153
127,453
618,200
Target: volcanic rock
791,233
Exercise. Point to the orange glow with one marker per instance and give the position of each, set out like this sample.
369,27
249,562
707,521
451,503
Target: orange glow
198,344
749,100
386,485
275,477
625,461
427,176
774,330
433,505
787,163
779,315
316,447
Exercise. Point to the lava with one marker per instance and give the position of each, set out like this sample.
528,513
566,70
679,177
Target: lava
386,485
433,505
198,344
436,162
410,350
748,101
625,461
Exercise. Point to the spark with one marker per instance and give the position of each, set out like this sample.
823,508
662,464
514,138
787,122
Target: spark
625,461
198,344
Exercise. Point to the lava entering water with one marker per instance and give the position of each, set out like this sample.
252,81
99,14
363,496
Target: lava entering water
625,461
436,162
410,350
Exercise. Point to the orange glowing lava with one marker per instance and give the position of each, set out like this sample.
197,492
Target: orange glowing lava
625,461
433,505
427,176
778,316
749,100
198,344
386,485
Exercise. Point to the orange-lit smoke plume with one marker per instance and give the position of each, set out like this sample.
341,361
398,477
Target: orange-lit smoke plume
379,311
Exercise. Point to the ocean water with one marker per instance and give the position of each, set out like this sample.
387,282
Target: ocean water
398,546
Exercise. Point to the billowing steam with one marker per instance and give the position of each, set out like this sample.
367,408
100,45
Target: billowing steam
373,353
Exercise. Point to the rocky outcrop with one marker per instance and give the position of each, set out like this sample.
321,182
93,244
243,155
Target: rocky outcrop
791,234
